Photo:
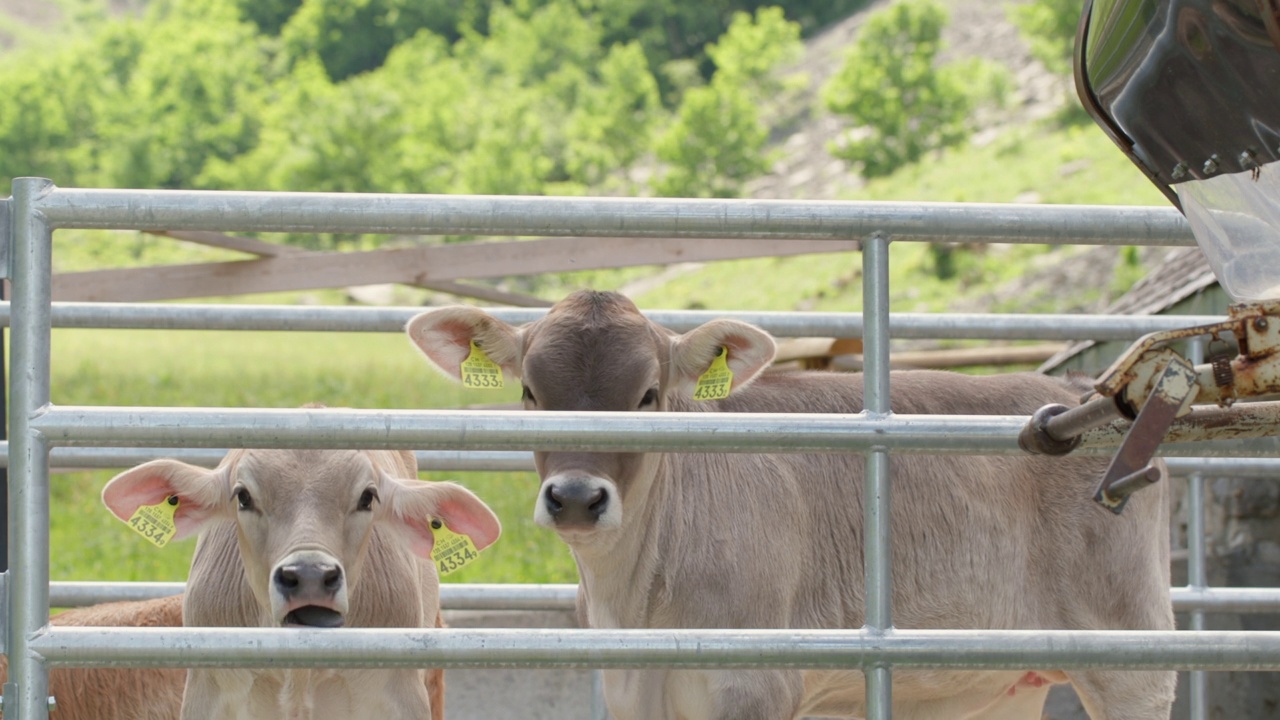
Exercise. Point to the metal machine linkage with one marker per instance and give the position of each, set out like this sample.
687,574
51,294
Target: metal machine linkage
1153,386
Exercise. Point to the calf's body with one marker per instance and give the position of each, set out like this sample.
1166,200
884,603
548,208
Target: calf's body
116,693
308,539
775,540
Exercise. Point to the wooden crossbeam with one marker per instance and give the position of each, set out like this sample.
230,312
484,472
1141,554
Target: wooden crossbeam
307,270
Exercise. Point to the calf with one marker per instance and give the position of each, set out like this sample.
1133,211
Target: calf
307,539
775,540
117,693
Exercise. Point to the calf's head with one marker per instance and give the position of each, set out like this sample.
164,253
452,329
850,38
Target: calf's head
593,351
304,518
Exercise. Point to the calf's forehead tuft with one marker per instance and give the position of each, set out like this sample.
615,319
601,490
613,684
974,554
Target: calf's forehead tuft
595,306
290,470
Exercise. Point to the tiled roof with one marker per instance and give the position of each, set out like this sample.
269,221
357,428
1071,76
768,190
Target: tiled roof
1182,273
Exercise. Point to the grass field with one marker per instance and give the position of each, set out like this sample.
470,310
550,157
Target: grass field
276,370
280,370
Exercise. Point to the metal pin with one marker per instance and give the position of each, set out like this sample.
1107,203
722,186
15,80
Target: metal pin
1211,165
1130,484
1179,171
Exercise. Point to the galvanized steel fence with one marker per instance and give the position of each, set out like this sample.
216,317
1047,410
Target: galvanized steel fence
110,436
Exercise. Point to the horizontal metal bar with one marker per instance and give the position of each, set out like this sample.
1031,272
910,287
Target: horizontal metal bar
611,217
1250,420
1264,468
1227,600
850,649
573,431
510,596
494,430
65,458
453,596
73,594
150,316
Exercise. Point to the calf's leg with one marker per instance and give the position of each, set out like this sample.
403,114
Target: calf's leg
1126,694
755,694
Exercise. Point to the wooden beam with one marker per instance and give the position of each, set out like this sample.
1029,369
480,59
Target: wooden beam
313,270
959,357
253,246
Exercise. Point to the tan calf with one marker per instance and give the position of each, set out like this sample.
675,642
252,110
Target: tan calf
116,693
775,541
142,693
308,539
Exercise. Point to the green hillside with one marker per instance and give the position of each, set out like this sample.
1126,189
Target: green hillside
356,145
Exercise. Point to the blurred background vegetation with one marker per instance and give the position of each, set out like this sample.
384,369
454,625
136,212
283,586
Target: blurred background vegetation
564,97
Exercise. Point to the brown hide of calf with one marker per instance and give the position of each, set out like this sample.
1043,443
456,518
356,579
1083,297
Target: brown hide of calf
142,693
116,694
733,540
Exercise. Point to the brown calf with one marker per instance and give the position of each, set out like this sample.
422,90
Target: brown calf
308,539
688,540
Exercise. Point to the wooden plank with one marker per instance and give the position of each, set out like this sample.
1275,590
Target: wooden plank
483,292
314,270
253,246
959,357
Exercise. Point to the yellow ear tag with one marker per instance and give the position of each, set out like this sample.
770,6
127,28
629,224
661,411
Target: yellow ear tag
155,522
451,550
714,384
478,371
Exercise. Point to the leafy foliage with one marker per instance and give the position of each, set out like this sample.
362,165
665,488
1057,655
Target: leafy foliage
479,96
889,86
1049,27
716,142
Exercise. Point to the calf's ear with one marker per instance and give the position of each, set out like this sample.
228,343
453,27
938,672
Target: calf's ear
445,335
200,492
415,504
748,351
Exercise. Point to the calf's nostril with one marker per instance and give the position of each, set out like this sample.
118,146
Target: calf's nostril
287,578
598,501
333,578
555,501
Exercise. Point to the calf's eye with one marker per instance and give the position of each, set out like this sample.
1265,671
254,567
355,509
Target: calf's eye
366,499
650,397
244,499
527,395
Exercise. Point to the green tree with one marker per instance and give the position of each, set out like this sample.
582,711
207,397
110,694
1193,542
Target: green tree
611,126
716,141
354,36
904,106
1049,27
135,102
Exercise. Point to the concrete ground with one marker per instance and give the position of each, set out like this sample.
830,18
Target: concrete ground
523,694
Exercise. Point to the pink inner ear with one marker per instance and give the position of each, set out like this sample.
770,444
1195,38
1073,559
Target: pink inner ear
421,539
130,491
462,513
446,342
466,515
124,495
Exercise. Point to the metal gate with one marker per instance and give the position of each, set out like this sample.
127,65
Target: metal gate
37,208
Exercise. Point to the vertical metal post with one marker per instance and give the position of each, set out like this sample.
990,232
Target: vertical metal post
875,503
1196,553
26,694
4,435
599,711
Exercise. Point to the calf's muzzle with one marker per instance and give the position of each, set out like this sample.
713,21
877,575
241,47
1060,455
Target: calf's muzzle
575,502
311,587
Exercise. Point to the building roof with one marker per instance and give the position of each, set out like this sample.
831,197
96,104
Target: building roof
1183,273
